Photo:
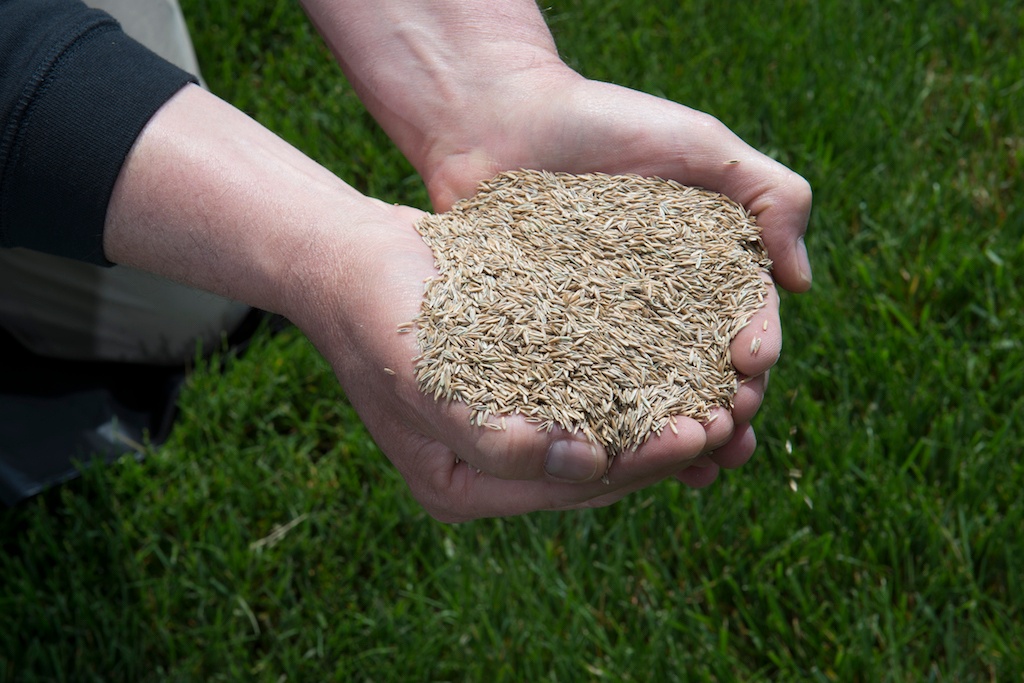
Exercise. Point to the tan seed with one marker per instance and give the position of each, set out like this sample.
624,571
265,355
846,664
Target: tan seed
601,304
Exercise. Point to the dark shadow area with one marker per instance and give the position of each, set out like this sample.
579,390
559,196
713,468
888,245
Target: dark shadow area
54,413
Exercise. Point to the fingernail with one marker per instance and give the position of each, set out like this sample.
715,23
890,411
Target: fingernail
573,460
804,262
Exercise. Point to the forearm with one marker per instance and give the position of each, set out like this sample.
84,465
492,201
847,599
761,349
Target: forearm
210,198
425,68
468,88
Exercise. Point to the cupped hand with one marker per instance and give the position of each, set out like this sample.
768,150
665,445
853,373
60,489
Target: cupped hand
456,470
554,119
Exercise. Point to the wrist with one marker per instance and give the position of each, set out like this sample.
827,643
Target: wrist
210,198
445,68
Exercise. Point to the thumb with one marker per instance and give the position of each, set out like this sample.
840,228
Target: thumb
510,447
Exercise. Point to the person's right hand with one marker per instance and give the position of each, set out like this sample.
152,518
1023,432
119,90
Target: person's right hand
456,470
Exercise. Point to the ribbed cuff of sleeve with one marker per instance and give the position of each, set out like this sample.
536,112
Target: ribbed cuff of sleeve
79,117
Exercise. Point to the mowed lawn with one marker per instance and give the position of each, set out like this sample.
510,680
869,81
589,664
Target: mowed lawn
878,535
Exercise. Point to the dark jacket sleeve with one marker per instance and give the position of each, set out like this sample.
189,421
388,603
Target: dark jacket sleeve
75,92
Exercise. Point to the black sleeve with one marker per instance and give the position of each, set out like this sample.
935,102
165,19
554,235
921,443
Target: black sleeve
75,92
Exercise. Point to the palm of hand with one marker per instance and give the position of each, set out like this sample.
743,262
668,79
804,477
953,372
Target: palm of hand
455,470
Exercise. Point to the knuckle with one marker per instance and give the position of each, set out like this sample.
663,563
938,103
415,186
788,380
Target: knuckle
516,452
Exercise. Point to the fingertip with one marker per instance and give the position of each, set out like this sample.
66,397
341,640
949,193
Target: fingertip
792,270
573,460
748,398
718,428
699,477
738,451
510,448
803,265
665,453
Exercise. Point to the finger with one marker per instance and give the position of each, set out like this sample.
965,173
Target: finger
509,447
747,400
718,428
660,458
699,476
758,345
458,491
739,449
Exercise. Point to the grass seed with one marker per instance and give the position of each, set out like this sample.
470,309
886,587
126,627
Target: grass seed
603,304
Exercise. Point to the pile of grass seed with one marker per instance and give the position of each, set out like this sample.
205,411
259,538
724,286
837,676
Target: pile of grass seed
604,304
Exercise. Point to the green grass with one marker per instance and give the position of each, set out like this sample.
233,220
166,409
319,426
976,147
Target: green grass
876,536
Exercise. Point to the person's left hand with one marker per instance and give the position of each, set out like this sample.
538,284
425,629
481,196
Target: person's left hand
568,123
